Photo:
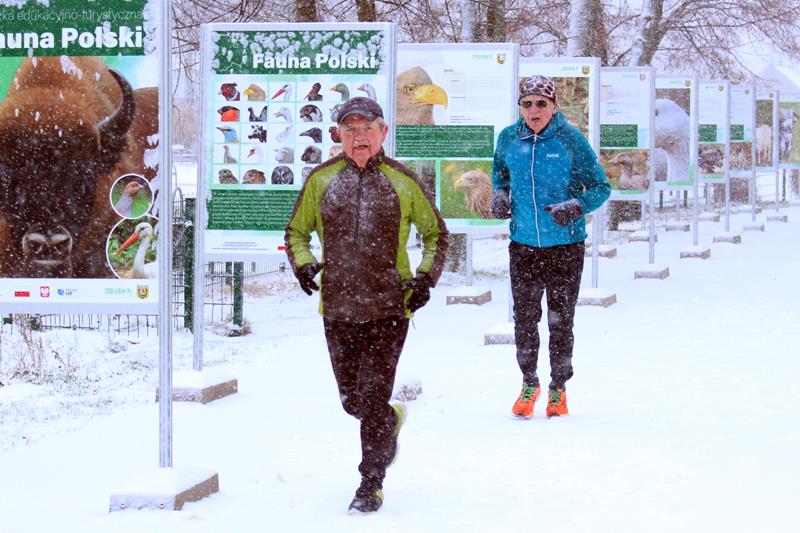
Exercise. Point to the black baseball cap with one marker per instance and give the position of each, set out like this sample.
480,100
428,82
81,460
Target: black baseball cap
362,106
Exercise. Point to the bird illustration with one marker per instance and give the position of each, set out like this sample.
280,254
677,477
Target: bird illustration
284,154
282,175
335,137
314,133
229,133
342,89
477,188
227,157
286,113
335,112
259,133
312,155
254,177
286,91
262,117
229,91
415,97
255,93
313,95
335,150
228,113
226,177
285,134
369,89
310,113
306,172
144,233
255,155
124,205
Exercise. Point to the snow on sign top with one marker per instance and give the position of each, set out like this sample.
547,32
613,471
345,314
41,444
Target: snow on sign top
299,52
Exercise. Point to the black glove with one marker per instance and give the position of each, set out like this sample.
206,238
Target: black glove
565,212
420,287
501,205
305,275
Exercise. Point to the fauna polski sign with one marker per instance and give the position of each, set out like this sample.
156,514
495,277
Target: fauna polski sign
452,101
626,125
79,130
271,94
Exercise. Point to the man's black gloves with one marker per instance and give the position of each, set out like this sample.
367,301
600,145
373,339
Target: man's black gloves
420,287
565,212
501,205
305,275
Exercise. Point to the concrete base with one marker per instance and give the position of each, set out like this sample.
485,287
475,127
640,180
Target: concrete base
407,391
754,226
795,203
470,295
502,333
597,297
678,226
696,252
708,217
747,209
202,387
641,236
728,237
604,250
164,489
652,272
777,218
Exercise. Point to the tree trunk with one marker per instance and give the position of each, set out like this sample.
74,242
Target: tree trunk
496,21
366,11
306,11
470,22
587,34
648,33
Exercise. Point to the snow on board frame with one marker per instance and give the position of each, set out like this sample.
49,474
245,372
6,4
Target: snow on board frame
63,249
627,118
452,102
713,131
269,97
675,132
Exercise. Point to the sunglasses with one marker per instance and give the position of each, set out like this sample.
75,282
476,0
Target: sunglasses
541,104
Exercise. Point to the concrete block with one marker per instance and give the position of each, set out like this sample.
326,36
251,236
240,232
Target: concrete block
777,218
641,236
755,226
678,226
470,295
708,217
502,333
201,387
597,297
696,252
165,489
728,237
652,272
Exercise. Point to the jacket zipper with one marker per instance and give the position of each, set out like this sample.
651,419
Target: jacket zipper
533,190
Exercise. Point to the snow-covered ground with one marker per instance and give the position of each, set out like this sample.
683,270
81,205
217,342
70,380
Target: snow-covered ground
684,412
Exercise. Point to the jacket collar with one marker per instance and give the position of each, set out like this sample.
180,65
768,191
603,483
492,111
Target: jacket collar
555,124
372,163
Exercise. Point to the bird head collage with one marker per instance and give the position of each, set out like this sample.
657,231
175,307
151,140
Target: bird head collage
131,249
272,132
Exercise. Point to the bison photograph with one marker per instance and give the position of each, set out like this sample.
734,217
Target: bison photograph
69,128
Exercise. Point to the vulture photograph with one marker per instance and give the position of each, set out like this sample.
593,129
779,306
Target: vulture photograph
255,93
416,94
466,188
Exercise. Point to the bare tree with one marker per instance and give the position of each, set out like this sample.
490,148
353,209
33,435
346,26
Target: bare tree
496,21
306,11
366,11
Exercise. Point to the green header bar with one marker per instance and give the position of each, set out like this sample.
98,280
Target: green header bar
299,52
73,27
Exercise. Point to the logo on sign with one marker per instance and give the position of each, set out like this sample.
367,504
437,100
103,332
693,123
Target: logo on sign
66,292
142,291
501,58
44,291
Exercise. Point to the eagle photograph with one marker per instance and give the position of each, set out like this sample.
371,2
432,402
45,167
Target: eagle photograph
466,189
417,98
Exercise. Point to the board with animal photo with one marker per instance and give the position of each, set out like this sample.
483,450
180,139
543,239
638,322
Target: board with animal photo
271,95
452,101
79,125
675,131
789,130
766,118
713,131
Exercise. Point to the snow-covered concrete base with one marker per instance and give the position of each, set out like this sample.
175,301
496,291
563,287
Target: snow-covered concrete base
603,250
502,333
733,238
597,297
678,226
746,209
777,218
651,272
641,236
202,387
164,489
754,226
708,217
477,295
696,252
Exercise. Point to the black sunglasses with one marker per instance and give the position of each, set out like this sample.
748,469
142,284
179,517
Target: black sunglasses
541,104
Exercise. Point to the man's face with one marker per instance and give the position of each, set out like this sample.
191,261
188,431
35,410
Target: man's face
362,139
538,112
